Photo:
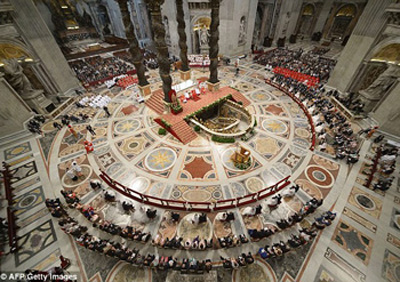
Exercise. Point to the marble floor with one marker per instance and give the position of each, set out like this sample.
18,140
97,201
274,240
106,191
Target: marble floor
362,244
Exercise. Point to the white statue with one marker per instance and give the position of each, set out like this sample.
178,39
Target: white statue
15,76
242,31
382,84
167,35
204,36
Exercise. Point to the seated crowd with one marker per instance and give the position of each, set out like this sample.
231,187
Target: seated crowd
131,255
326,118
296,60
118,250
34,124
127,232
382,167
290,221
97,68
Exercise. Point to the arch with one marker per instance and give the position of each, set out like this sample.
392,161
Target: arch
309,10
381,46
197,24
343,18
389,54
346,10
14,49
201,20
306,19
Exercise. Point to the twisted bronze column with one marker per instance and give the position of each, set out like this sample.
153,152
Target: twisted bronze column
214,37
162,48
133,43
182,35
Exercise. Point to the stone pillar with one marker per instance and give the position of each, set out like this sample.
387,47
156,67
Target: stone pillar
92,9
387,112
288,15
115,19
13,113
214,37
36,34
42,76
263,29
360,43
323,16
134,47
154,7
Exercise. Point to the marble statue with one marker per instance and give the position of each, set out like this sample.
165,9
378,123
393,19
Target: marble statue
204,36
167,35
382,84
242,31
16,78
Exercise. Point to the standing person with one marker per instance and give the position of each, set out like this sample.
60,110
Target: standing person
90,129
237,71
88,146
73,132
57,125
106,110
77,168
372,131
70,173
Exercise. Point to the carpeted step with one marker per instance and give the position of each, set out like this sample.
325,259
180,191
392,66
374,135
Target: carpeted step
184,132
156,101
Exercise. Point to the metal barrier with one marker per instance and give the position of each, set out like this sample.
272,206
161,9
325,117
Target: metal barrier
194,206
294,98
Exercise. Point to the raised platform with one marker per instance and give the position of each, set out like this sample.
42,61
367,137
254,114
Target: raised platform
175,122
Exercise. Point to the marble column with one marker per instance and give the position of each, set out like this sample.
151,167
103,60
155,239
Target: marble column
133,44
360,43
36,34
154,7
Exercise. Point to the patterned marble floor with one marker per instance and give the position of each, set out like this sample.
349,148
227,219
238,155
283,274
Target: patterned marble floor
363,244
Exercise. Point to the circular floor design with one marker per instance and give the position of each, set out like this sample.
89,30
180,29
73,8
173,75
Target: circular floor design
160,159
275,126
254,184
187,230
133,146
256,272
86,172
319,176
127,126
365,201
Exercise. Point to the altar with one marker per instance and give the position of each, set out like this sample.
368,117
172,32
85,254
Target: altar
183,85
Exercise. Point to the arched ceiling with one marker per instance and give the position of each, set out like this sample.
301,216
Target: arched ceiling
389,54
308,10
347,11
9,51
201,23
